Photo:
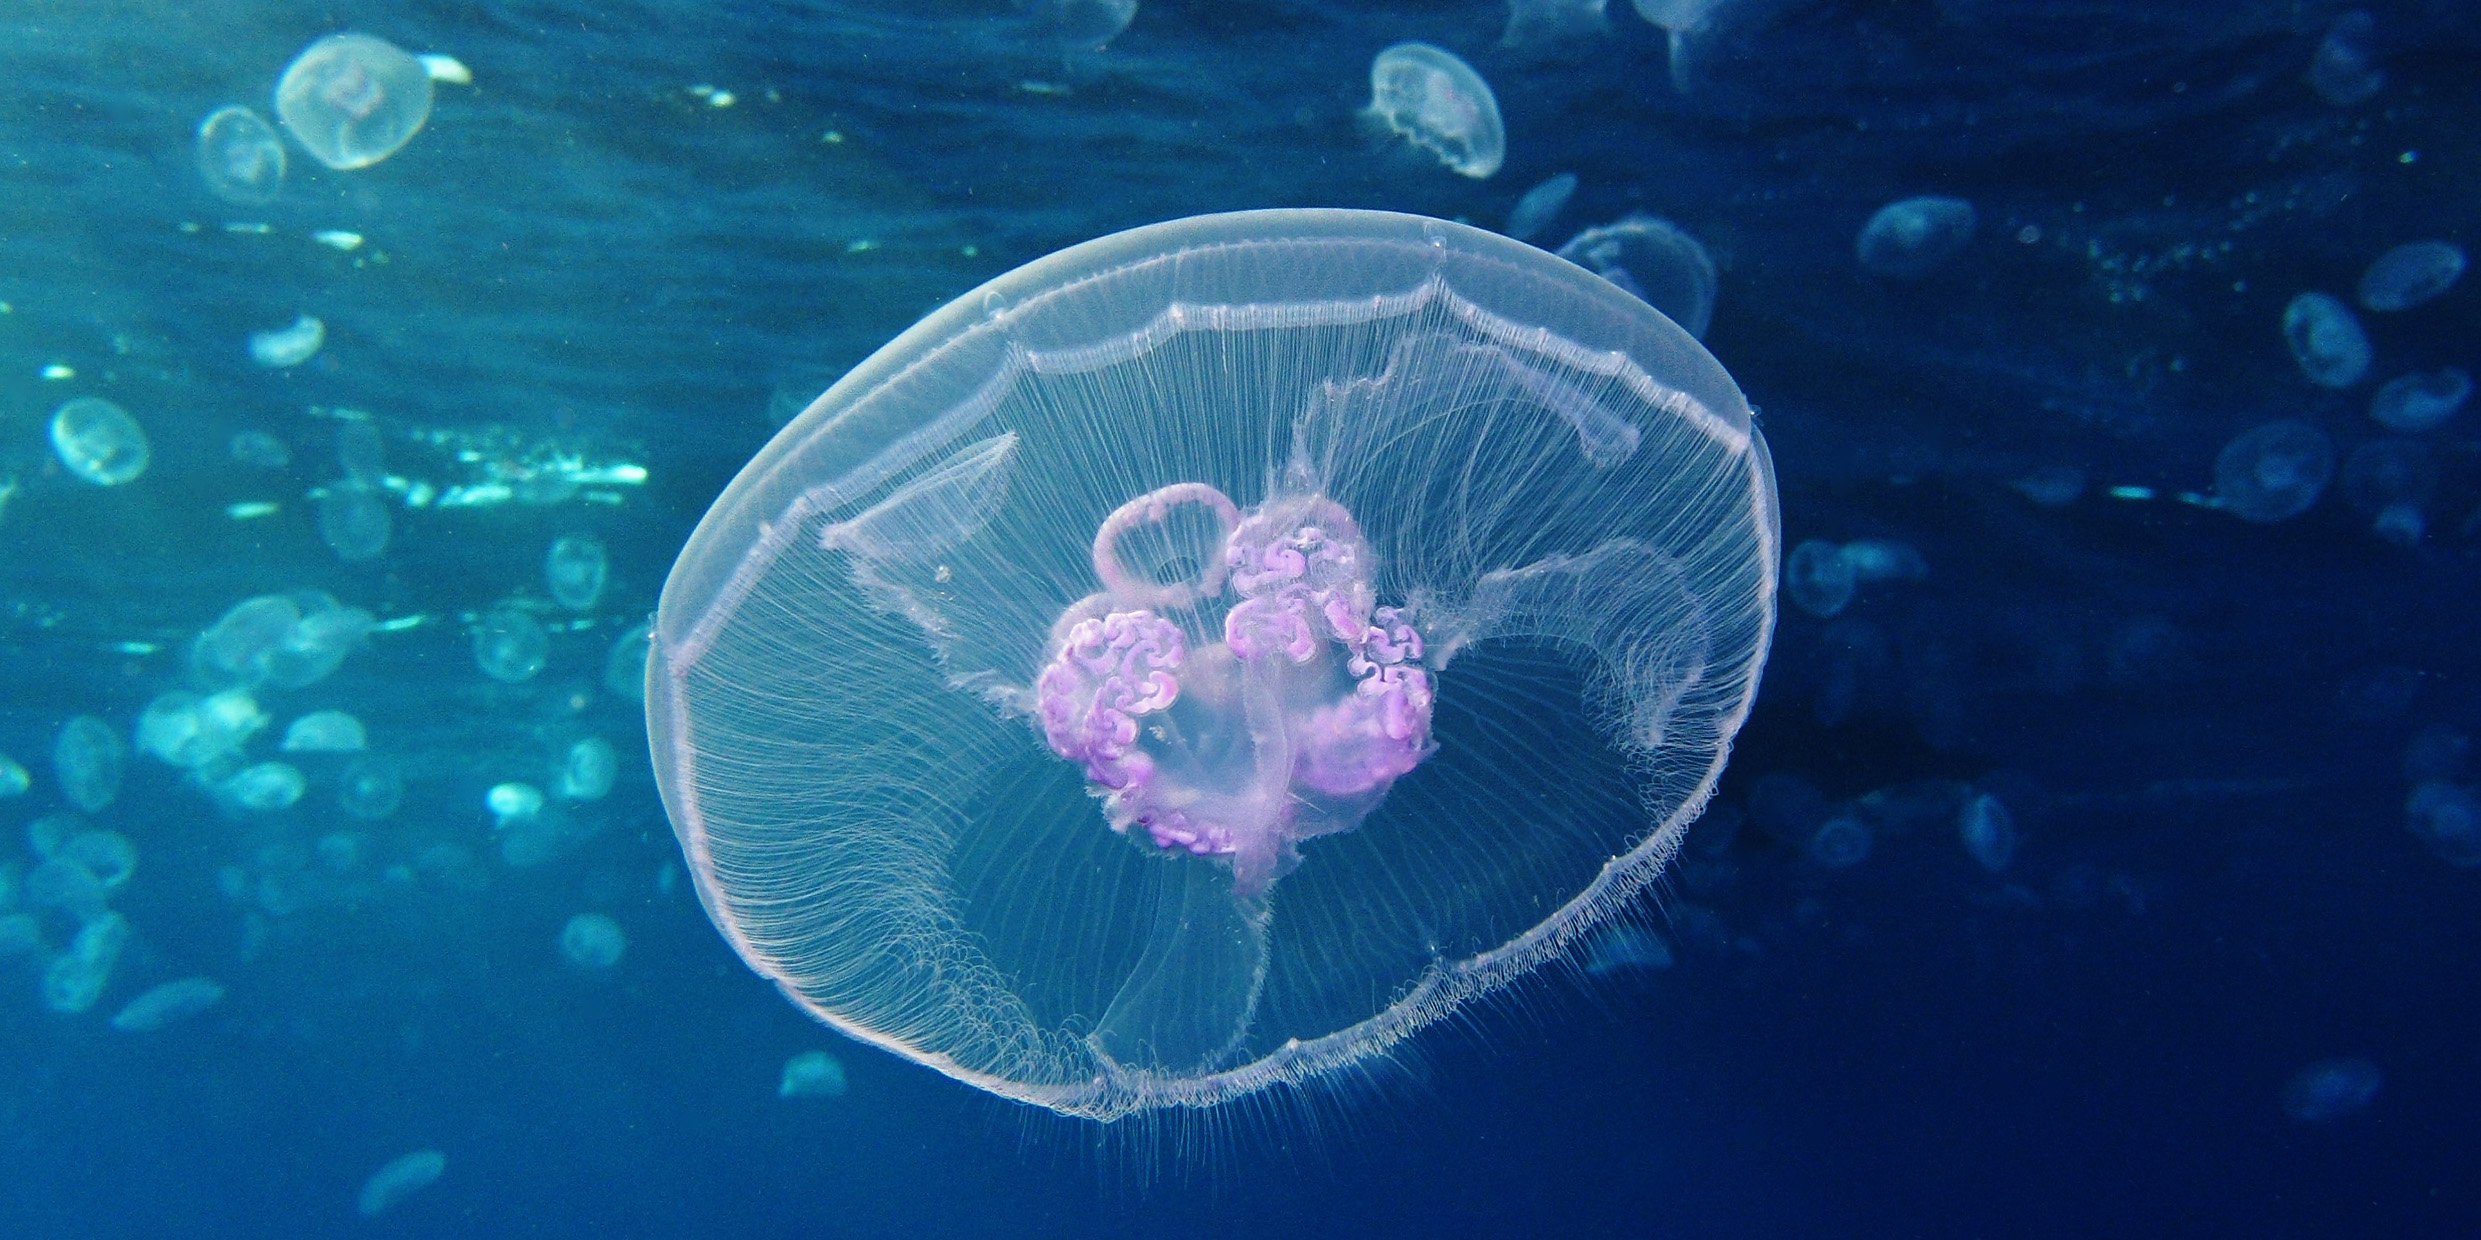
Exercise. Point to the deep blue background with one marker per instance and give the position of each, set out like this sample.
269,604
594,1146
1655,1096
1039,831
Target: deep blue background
2199,723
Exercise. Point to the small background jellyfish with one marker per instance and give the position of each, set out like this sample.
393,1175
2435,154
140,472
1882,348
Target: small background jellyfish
1430,97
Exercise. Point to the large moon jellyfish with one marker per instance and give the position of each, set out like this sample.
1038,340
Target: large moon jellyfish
352,100
1195,661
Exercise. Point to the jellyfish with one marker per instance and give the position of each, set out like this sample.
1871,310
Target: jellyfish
2326,340
352,100
98,441
510,646
75,979
588,772
2390,481
260,450
1533,23
574,569
371,788
2344,70
325,731
2422,400
624,669
168,1004
1818,579
1540,205
107,855
191,732
512,803
812,1074
1988,832
264,788
240,157
1657,262
2330,1089
280,348
2446,816
402,1177
2273,472
2410,274
1914,237
1193,662
1433,99
1839,843
1679,19
14,781
1090,25
88,757
592,941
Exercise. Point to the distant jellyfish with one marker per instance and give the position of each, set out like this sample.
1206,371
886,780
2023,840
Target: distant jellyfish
1534,23
1839,843
1679,19
1876,560
108,855
325,731
2446,817
279,348
588,773
510,646
264,788
352,100
2330,1089
14,781
812,1074
592,941
62,883
314,646
1191,663
1657,262
2422,400
371,788
2410,274
401,1178
98,441
362,453
1540,205
353,522
1988,832
2344,70
575,569
1433,99
76,978
168,1004
88,757
1916,236
1087,24
240,157
624,670
188,731
1818,579
260,450
2326,340
512,803
2390,480
2273,472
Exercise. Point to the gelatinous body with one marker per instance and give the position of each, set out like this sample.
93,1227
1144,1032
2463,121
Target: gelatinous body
1540,205
588,773
371,788
812,1074
1087,24
575,569
2273,472
592,941
13,778
354,522
1433,99
1679,20
624,669
510,645
2410,274
98,441
402,1177
1532,23
1914,237
2447,817
1193,662
2330,1089
2422,400
240,157
1656,262
2344,70
168,1004
352,100
87,757
278,348
1988,832
264,788
2326,340
325,731
291,641
1818,579
75,979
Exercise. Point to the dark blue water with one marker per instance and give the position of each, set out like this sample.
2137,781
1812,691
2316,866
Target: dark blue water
2200,725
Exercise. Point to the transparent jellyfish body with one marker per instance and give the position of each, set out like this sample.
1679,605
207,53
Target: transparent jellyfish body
1680,20
371,788
812,1074
326,731
76,978
1090,25
1818,579
280,348
88,757
352,100
2344,70
291,641
402,1177
1537,23
1540,205
1430,97
592,941
168,1004
2410,274
1114,740
2330,1089
2326,340
2390,481
587,773
1914,237
98,441
624,669
2446,816
2273,472
1656,262
240,157
354,521
264,788
14,780
575,569
2422,400
510,646
1988,832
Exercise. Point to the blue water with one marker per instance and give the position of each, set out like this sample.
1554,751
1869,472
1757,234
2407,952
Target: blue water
2199,724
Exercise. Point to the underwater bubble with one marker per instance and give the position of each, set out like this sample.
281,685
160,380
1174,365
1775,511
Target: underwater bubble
946,694
2422,400
264,788
325,731
260,450
588,773
812,1074
87,758
1988,832
1657,262
1540,205
371,788
168,1004
76,978
107,855
1626,949
1430,97
2344,70
2326,340
624,670
1839,843
510,645
352,100
1818,579
2410,274
278,348
99,442
2273,472
353,522
575,569
404,1176
2446,816
240,157
14,781
1916,236
2330,1089
592,941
